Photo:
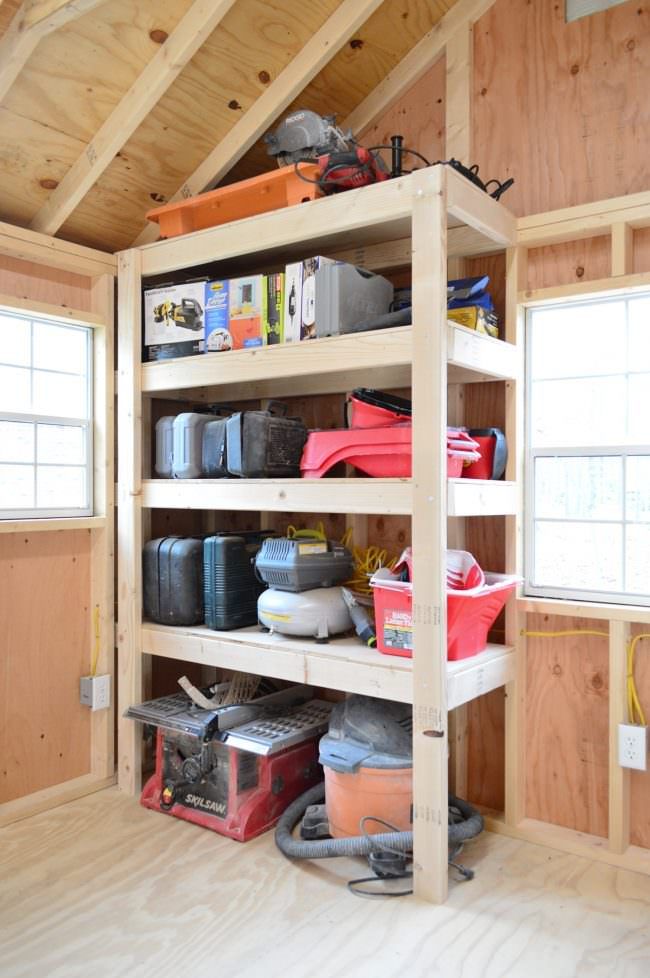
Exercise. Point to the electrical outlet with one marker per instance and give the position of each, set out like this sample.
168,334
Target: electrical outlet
95,692
632,746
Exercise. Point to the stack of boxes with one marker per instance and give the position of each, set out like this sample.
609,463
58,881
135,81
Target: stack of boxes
259,310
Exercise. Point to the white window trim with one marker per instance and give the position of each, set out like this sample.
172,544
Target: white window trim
530,454
87,424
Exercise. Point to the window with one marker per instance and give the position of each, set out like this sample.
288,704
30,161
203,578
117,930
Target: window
45,418
588,450
575,9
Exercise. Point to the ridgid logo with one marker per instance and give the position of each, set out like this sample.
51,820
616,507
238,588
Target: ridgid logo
205,804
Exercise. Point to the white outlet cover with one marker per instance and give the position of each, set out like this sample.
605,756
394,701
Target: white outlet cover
632,746
95,692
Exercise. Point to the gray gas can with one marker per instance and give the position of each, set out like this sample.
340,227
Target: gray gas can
188,445
165,446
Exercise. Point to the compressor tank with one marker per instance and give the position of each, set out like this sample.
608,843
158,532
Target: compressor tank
318,613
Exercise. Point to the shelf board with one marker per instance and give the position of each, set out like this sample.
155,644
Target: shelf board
385,497
469,678
329,365
474,357
365,216
481,497
382,496
343,663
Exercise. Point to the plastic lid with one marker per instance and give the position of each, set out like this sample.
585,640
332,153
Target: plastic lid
369,732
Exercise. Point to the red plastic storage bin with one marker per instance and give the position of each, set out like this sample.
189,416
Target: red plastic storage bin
373,409
470,615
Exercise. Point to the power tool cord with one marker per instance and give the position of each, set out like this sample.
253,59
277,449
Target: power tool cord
327,178
403,149
469,172
384,874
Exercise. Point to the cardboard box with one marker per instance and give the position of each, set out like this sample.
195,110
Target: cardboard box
217,316
246,311
273,308
173,320
300,298
233,314
475,317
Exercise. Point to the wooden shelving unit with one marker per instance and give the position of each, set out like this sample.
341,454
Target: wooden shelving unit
426,205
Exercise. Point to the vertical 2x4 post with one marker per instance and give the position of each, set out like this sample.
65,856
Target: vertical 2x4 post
129,522
429,379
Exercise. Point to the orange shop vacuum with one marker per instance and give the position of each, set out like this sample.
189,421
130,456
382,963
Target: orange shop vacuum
368,796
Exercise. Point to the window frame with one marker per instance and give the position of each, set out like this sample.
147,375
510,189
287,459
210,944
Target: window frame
87,424
575,451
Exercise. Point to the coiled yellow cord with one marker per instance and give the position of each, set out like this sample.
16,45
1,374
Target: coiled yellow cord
635,712
366,561
318,532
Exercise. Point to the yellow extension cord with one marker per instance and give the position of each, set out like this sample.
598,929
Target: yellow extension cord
95,656
634,708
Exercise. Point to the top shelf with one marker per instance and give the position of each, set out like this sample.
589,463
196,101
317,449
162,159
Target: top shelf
356,218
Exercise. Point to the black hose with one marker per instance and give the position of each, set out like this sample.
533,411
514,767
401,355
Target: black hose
402,317
469,827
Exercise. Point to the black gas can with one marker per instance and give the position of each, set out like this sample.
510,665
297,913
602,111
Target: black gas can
172,572
215,461
265,444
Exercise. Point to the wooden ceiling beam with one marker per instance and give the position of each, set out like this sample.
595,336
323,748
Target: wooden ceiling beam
318,51
33,21
16,242
416,63
188,36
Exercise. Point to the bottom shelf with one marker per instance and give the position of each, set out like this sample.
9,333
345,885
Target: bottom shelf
343,663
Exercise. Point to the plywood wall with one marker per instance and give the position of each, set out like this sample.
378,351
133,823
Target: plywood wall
567,725
562,107
45,646
45,620
419,117
26,280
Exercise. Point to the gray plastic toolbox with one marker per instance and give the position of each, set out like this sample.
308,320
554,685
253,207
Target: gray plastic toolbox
347,295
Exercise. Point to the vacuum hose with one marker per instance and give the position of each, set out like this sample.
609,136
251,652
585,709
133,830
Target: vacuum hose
361,845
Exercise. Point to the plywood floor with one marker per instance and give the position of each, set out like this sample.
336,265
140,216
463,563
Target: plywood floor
103,888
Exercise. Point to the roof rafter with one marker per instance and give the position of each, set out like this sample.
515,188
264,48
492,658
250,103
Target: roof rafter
188,36
418,61
34,20
318,51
